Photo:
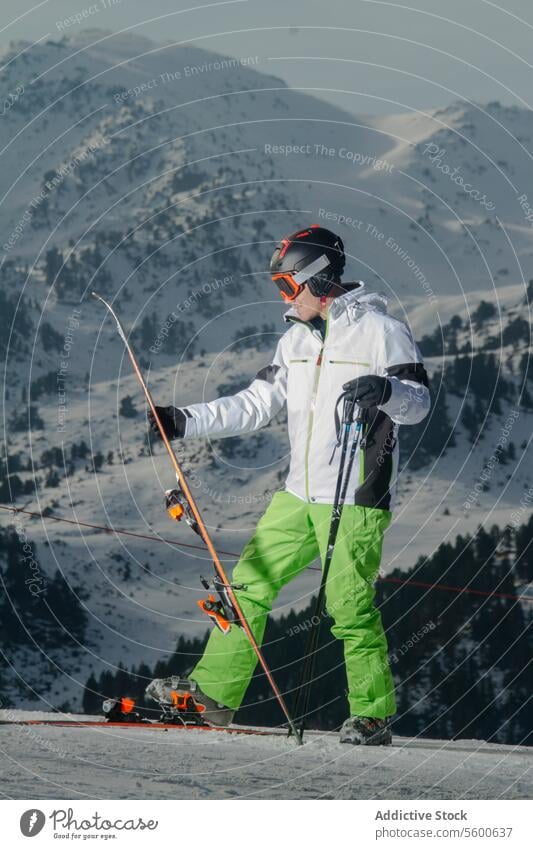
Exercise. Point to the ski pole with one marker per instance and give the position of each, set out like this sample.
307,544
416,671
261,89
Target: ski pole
303,693
204,533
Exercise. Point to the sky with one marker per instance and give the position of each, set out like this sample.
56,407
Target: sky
369,56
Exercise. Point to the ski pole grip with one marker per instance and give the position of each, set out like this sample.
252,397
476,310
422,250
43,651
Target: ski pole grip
348,409
362,415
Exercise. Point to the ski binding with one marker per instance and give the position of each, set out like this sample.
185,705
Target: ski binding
221,610
178,508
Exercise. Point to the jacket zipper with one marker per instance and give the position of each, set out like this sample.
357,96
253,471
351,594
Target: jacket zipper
318,365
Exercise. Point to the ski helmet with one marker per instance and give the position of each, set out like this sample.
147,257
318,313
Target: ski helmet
313,257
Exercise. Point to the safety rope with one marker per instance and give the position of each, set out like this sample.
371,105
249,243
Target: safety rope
124,532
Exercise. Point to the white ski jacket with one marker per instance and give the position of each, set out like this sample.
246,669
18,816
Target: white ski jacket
307,373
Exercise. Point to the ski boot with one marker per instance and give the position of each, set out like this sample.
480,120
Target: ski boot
182,700
366,731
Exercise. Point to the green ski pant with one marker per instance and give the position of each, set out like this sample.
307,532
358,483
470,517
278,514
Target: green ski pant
289,536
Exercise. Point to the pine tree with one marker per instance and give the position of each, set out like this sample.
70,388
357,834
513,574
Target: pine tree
127,408
90,695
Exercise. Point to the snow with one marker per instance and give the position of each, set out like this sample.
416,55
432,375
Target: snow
108,763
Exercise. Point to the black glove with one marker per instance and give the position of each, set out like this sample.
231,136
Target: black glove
370,390
173,420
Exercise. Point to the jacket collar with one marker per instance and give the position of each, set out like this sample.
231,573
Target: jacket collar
351,305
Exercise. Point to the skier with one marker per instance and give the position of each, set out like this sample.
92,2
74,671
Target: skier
338,334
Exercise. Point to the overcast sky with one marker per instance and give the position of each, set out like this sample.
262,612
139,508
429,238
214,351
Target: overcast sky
379,55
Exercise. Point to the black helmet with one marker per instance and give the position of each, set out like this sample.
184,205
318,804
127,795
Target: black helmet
313,257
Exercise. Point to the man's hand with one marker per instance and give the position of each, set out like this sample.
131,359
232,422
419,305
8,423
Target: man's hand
173,420
370,390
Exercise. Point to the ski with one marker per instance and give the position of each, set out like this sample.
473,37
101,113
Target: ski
228,610
478,747
145,724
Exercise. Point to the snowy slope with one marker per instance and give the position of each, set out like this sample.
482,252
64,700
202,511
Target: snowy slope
111,763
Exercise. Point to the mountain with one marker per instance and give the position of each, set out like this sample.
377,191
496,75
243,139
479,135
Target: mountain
161,177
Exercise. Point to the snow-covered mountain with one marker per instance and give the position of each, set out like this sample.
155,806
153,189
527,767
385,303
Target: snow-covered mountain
162,177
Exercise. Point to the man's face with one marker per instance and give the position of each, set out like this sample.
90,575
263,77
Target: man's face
307,305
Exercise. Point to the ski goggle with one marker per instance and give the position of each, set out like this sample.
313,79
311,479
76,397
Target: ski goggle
288,287
290,284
